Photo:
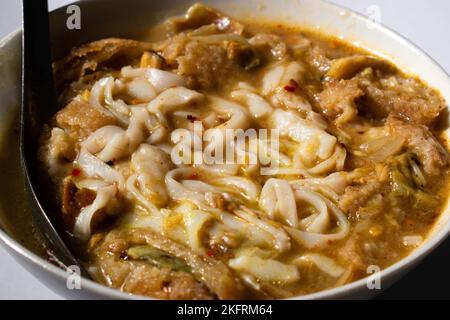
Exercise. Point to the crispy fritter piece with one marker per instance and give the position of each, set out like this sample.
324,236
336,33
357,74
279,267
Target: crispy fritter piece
421,141
337,101
408,99
73,200
93,56
208,278
200,15
79,119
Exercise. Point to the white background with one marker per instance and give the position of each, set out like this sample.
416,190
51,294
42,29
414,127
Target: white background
424,22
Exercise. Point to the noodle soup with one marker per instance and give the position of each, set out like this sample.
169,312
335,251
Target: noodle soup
356,178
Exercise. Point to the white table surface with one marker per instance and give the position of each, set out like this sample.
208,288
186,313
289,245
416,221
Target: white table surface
425,22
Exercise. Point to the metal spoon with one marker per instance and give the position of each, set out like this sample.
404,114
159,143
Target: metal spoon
38,105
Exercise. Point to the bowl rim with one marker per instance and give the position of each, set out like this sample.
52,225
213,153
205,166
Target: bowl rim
433,239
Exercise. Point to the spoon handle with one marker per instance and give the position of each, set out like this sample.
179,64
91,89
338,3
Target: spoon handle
37,58
38,104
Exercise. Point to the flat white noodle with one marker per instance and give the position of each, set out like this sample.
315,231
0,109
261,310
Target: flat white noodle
257,105
131,187
277,196
281,239
272,79
105,194
102,98
195,222
321,240
177,190
162,80
330,186
249,189
183,152
219,169
94,167
151,165
321,219
168,101
265,269
275,81
112,143
239,117
277,200
322,262
318,152
140,89
264,233
159,79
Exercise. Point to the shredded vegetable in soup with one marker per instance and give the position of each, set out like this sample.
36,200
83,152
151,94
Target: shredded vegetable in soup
334,164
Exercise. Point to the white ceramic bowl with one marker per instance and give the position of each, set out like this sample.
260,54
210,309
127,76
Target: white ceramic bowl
106,18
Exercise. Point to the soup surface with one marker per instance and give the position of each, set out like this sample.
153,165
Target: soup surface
221,160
